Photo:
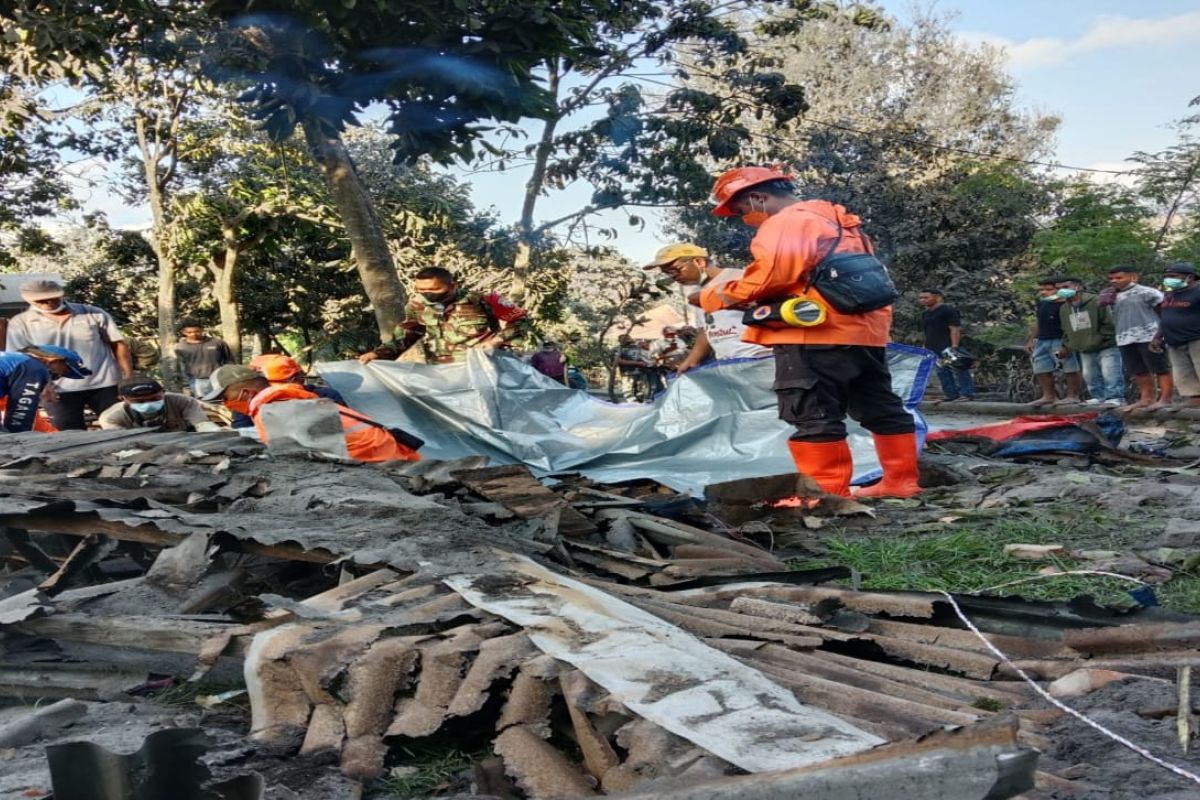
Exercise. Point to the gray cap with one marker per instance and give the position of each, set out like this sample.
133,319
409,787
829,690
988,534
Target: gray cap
1180,268
41,290
227,376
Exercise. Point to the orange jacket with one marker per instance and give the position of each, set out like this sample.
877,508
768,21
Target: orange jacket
786,249
364,442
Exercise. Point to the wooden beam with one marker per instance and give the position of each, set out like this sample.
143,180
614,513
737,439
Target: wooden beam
88,524
165,634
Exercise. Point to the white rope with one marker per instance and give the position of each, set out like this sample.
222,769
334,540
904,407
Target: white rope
1116,737
1060,575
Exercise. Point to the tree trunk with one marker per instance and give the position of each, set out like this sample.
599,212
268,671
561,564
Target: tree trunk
167,269
368,244
533,190
224,276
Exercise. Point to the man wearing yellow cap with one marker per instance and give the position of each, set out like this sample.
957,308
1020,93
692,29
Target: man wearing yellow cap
720,331
832,362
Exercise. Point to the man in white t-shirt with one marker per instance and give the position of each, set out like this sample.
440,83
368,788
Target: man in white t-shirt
89,331
720,331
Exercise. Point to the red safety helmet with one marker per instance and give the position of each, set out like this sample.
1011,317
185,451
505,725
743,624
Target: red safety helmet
737,180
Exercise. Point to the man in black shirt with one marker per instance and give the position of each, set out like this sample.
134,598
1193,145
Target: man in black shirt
1179,329
1045,341
199,356
943,333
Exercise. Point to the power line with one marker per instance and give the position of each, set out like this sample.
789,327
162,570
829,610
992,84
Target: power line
966,151
879,136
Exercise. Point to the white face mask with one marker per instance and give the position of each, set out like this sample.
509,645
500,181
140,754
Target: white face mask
45,310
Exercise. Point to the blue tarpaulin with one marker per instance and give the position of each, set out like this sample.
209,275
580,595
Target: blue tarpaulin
716,423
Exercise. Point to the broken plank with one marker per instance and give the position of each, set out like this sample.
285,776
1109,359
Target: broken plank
899,604
165,634
1134,638
87,552
33,554
1012,646
87,524
818,666
914,718
515,488
1007,693
81,681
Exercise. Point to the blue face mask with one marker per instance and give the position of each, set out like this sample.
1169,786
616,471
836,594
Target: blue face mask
1066,294
149,408
1174,283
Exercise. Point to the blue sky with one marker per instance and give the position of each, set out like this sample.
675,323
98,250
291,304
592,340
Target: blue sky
1116,73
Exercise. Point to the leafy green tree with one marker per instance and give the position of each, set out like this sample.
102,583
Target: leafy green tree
1170,179
32,186
132,61
1093,228
610,122
440,74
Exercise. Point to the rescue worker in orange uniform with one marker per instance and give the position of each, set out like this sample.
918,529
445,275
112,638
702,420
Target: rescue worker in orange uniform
829,369
278,368
246,391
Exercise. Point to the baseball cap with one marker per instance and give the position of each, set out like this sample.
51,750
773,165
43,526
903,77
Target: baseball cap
667,254
41,290
1179,268
75,367
275,367
227,376
138,386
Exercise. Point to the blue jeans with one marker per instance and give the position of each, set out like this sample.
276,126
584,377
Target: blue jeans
955,382
1103,374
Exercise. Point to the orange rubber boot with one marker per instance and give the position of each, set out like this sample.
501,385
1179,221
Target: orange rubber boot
828,463
898,455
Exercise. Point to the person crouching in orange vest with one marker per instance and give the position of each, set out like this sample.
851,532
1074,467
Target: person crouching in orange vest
829,342
246,391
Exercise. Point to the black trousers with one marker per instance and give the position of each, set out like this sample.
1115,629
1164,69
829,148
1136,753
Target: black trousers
67,412
819,385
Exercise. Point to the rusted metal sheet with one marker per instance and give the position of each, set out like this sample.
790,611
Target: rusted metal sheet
516,489
538,768
659,672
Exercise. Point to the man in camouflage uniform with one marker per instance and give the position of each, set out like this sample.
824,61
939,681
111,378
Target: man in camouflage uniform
631,362
448,320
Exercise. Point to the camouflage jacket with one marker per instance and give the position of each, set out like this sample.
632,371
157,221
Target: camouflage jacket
447,331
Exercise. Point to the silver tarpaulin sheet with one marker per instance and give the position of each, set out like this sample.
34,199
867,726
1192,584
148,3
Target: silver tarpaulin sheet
714,424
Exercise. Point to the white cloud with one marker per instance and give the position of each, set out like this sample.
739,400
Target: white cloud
1105,32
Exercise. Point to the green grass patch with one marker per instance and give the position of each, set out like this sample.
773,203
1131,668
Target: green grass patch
969,557
184,694
422,770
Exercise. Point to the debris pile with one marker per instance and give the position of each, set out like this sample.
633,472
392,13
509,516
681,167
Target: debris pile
582,640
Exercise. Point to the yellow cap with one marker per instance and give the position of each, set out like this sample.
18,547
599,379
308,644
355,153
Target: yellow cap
671,252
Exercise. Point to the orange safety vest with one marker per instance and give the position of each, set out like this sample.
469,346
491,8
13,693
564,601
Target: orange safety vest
364,441
786,249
